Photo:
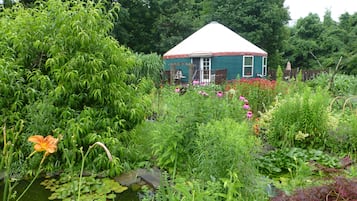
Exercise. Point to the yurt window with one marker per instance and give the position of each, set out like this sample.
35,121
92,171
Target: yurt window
248,66
265,66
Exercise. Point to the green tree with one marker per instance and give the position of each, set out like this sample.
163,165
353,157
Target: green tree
348,23
177,20
62,72
261,22
303,42
135,26
316,44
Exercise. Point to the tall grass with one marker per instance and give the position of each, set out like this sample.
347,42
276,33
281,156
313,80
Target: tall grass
299,120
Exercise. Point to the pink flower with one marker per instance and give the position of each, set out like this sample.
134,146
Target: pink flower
249,114
246,106
177,90
241,98
219,93
195,82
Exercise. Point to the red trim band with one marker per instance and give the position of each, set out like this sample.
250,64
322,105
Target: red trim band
217,54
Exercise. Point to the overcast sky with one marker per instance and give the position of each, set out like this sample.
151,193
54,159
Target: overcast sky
301,8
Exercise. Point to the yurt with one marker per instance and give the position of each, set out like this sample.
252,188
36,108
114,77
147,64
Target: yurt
215,53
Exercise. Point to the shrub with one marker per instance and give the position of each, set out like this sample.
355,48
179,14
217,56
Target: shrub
176,128
62,73
223,147
340,189
342,137
300,120
259,92
343,85
287,160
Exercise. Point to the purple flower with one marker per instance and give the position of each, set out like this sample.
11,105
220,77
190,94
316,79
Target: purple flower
219,93
241,98
249,114
246,106
177,90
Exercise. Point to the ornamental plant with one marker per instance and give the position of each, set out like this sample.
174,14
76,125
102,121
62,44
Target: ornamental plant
300,120
176,127
47,144
340,189
342,136
226,149
62,72
260,92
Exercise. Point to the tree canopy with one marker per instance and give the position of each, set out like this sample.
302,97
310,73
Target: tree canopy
316,44
261,22
62,73
156,26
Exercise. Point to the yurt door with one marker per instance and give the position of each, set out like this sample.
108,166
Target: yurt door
205,70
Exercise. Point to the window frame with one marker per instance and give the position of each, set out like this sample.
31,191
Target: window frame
265,66
248,66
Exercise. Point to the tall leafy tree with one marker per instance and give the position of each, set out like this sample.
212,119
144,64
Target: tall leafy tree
303,42
135,27
320,44
348,23
61,72
261,22
178,20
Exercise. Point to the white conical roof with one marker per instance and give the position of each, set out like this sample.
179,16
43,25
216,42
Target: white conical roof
214,39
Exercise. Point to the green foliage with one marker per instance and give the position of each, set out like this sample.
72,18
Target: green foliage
149,66
344,85
186,189
279,74
288,160
302,177
66,187
63,73
157,26
261,22
197,132
300,120
134,25
8,141
176,128
177,20
259,92
217,142
342,137
227,149
195,189
319,45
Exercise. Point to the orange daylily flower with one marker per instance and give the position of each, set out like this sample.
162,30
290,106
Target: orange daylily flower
47,144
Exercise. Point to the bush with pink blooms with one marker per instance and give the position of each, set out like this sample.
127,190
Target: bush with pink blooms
260,92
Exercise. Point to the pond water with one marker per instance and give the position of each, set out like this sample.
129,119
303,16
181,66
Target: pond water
37,192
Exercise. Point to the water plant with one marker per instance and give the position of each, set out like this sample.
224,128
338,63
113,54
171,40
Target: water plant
66,188
84,156
71,186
